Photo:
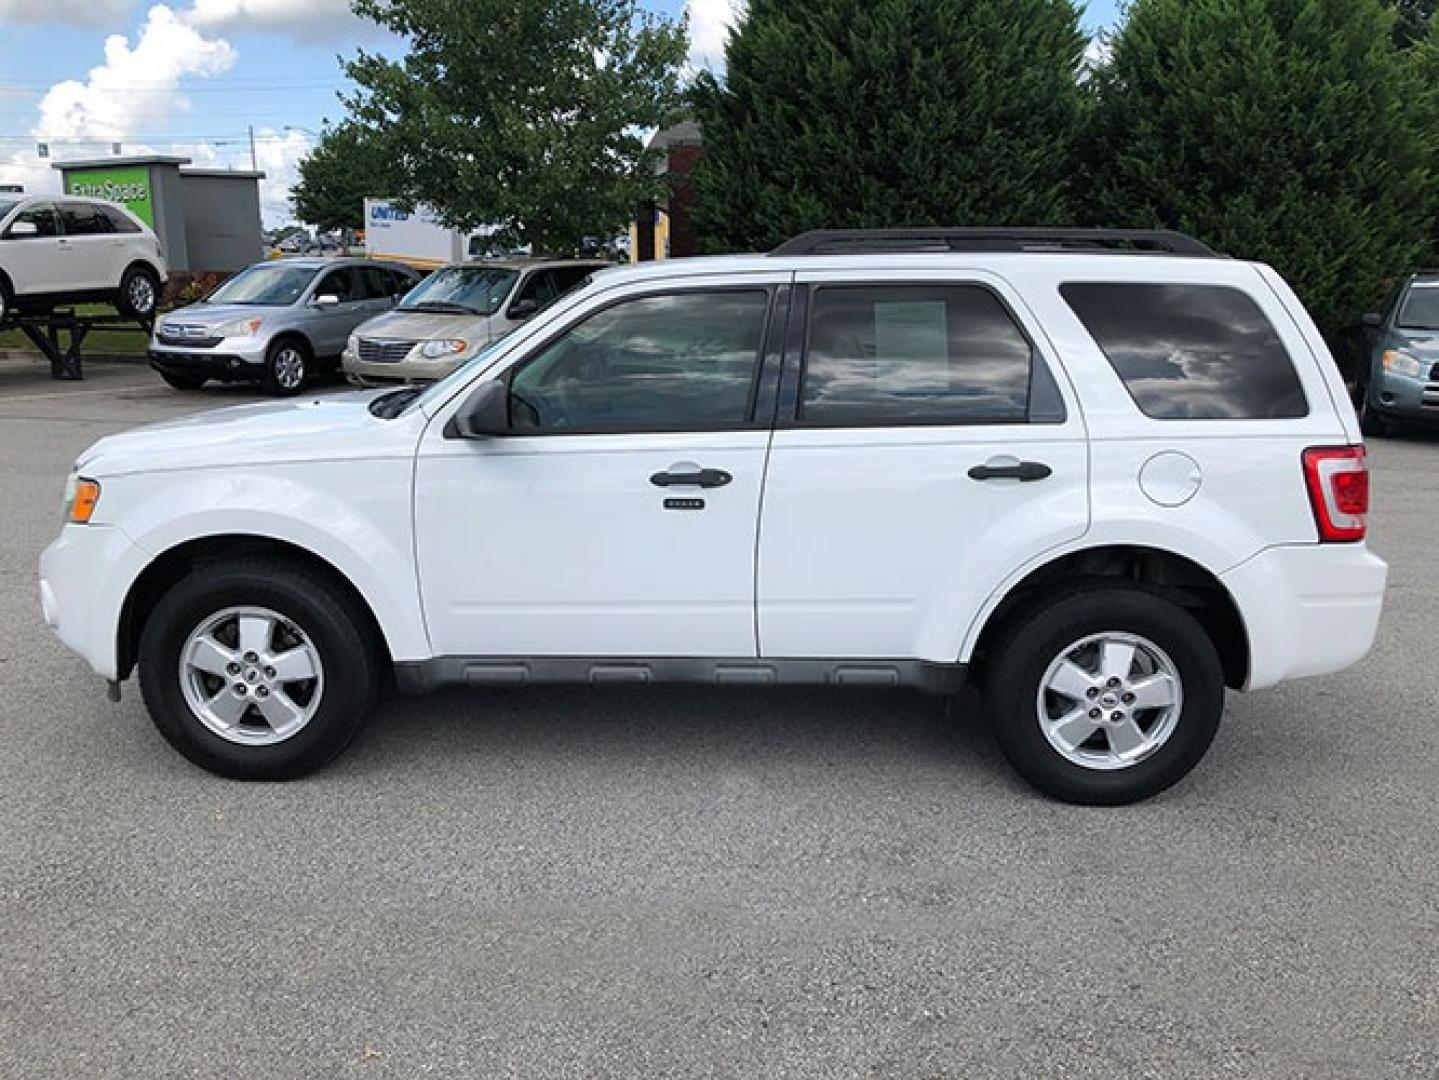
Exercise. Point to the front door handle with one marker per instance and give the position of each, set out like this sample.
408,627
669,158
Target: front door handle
690,476
1026,472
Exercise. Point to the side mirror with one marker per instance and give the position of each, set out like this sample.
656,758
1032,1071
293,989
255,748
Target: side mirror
524,308
484,415
1373,321
325,300
23,229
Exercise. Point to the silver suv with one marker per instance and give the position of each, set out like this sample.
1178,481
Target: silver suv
456,313
276,323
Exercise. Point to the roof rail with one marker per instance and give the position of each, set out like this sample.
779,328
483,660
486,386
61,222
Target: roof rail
873,241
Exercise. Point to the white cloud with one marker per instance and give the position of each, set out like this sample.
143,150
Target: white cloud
710,24
279,156
307,20
80,12
136,86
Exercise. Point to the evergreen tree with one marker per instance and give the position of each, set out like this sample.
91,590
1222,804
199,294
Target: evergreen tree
1280,130
869,113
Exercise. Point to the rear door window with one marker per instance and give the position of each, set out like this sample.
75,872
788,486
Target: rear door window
82,219
936,353
1191,352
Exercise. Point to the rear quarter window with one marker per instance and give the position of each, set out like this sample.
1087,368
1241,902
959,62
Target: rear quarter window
1191,352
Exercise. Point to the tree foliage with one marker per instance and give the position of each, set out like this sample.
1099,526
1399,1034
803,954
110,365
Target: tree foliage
343,169
521,113
1414,21
1280,130
867,113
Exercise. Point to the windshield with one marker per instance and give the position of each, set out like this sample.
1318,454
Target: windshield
272,285
462,290
1421,308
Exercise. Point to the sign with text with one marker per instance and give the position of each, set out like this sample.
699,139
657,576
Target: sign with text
128,186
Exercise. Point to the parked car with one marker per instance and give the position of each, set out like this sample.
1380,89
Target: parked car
1102,485
70,250
276,324
456,312
1400,378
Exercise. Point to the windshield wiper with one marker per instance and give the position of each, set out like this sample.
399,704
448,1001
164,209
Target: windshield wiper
439,307
388,406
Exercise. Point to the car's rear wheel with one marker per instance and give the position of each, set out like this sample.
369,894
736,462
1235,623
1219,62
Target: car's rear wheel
287,367
1105,696
7,299
183,382
257,670
139,293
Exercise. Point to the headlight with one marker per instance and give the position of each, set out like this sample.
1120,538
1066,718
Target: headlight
353,345
238,328
1401,363
81,498
439,350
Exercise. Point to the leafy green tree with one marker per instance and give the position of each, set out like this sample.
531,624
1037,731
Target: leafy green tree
525,114
1414,21
1278,130
869,113
343,169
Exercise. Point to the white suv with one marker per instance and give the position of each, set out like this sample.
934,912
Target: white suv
1104,475
67,249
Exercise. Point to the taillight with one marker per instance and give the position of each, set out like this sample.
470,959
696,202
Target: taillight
1338,480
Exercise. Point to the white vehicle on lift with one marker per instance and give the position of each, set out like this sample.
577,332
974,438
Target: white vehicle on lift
66,249
1104,484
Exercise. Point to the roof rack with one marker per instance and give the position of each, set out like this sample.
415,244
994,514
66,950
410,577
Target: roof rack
873,241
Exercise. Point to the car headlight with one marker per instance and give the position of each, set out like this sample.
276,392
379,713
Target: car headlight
353,345
81,498
238,328
1401,363
440,350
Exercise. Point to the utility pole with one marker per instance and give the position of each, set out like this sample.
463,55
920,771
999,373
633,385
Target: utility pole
254,161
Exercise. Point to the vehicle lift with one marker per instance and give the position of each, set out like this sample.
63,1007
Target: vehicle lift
44,329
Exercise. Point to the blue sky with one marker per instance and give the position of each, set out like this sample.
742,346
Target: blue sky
191,76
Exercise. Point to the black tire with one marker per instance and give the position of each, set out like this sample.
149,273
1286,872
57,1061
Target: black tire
7,299
280,367
348,665
139,294
1373,424
1040,635
183,382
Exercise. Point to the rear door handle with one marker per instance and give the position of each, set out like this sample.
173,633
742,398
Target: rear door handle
685,476
1026,472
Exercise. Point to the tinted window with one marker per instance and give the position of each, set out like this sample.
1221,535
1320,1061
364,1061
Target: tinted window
1191,352
82,219
119,221
379,282
654,364
539,287
345,282
43,216
1421,308
570,277
915,354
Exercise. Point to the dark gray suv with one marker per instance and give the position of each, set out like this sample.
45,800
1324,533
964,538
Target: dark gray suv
1400,378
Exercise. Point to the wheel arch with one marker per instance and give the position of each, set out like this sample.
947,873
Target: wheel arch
1175,577
171,566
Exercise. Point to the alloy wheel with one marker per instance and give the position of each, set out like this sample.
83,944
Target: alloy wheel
251,676
1110,701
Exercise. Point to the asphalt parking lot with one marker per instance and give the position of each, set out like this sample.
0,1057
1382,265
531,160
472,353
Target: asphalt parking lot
688,882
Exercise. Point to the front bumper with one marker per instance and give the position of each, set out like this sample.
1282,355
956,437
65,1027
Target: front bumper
84,577
232,360
1405,398
1310,609
405,371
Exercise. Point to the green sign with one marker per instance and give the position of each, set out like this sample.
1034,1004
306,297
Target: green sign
129,186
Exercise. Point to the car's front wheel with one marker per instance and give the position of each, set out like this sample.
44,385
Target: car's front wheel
139,293
287,368
1105,696
1372,423
257,670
